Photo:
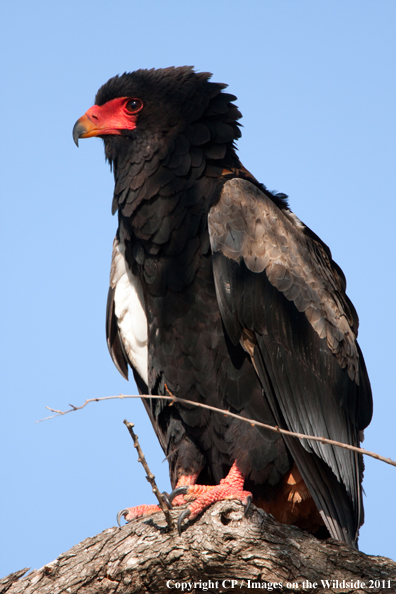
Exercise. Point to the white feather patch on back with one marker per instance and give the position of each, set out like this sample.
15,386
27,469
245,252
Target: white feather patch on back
130,310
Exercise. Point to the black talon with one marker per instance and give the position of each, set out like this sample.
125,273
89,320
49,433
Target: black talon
185,514
178,491
123,512
248,504
165,497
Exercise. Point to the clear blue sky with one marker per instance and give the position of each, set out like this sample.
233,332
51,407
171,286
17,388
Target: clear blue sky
316,84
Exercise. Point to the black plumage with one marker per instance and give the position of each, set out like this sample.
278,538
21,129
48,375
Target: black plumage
244,307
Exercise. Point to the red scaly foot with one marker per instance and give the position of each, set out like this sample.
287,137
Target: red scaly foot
130,513
177,496
139,511
202,496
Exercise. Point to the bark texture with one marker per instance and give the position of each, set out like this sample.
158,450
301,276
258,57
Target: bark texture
222,545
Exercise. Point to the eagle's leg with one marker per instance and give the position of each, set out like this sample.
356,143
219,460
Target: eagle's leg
139,511
202,496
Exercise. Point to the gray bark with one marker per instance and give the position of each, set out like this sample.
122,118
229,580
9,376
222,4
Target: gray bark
220,545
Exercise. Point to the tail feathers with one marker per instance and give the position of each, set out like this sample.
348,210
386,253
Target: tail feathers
330,496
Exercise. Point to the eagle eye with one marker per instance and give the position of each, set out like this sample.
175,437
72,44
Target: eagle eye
134,105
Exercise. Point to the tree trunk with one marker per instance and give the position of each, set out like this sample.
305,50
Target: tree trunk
222,551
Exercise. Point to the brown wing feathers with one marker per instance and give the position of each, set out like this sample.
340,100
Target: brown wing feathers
274,280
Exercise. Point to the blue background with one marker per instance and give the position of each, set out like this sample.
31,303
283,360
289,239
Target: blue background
316,84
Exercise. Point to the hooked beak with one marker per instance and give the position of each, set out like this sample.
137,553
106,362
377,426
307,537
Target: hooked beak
85,128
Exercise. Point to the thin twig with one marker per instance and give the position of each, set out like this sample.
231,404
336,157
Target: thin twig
149,475
227,413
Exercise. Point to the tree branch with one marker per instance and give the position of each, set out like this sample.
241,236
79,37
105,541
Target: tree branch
226,413
149,475
220,546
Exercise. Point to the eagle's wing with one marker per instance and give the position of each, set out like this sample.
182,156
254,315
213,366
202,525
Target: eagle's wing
283,298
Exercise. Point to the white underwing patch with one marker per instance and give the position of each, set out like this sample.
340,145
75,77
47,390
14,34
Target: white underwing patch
130,310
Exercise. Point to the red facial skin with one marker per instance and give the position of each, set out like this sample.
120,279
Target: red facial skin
110,118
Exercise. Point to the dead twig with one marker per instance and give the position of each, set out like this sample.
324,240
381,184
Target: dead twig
149,475
226,413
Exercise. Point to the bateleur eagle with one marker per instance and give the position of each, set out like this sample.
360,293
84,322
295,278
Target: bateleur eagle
221,295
